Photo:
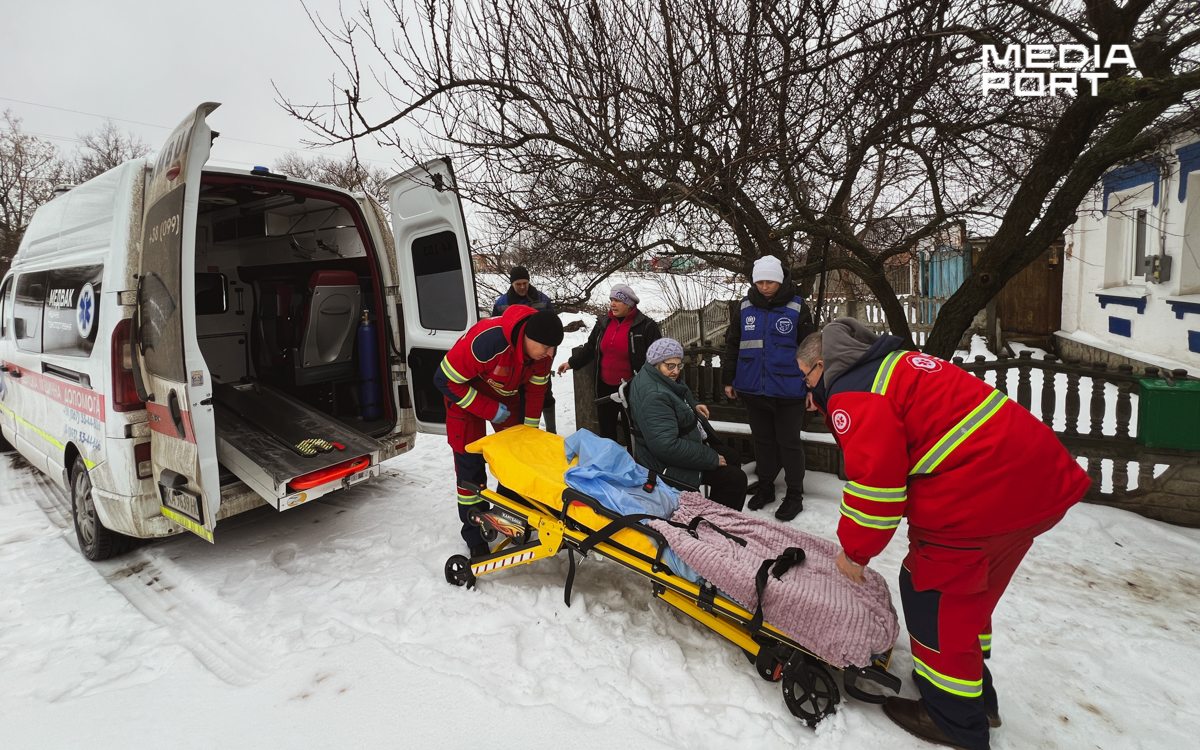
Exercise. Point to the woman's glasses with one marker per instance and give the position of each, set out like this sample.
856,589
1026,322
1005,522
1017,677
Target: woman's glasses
673,366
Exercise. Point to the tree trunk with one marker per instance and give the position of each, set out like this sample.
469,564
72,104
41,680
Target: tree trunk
897,318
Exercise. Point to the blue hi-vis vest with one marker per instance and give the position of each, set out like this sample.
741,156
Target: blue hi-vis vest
767,358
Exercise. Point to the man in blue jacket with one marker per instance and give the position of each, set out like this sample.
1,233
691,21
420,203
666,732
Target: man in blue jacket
757,368
521,292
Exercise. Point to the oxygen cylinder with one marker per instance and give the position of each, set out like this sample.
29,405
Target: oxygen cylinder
368,369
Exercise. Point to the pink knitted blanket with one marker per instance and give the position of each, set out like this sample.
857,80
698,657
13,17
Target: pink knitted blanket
842,622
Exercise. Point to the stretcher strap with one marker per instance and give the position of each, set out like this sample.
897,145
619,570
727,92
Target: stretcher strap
634,522
791,556
612,527
651,483
570,577
604,534
695,524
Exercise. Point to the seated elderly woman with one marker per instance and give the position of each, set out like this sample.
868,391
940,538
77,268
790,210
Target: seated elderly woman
672,436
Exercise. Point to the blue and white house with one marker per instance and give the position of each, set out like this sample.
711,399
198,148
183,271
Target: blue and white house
1131,279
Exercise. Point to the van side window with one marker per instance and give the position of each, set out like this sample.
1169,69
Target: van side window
27,311
6,307
72,310
441,299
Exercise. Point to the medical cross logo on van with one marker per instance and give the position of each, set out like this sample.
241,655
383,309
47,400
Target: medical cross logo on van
87,311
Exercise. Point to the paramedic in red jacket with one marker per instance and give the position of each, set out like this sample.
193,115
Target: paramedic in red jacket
497,372
976,475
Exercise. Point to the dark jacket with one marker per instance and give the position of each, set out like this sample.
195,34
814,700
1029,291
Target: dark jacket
643,332
774,372
666,439
535,299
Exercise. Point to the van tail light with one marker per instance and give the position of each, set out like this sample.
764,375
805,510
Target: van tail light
141,456
124,389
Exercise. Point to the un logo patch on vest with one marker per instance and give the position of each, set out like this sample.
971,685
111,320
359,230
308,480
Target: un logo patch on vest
784,325
749,322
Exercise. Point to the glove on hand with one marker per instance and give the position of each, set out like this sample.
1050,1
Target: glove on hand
502,415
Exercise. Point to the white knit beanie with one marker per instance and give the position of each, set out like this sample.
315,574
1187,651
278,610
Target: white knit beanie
768,268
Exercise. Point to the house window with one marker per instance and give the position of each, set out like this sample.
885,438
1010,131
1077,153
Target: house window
1189,268
1137,245
1129,238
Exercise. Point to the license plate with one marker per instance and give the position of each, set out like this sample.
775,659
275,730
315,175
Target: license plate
183,502
357,477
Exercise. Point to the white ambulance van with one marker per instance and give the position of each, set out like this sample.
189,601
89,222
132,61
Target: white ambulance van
181,343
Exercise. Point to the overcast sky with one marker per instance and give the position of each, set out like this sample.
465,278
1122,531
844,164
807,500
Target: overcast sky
147,64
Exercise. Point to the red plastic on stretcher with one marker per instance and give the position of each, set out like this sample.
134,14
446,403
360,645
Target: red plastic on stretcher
337,471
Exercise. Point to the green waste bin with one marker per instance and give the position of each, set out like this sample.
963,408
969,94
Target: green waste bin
1169,416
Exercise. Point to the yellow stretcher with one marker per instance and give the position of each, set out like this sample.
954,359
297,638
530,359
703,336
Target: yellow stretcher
541,516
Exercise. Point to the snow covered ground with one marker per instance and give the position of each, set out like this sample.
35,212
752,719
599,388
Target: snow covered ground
331,625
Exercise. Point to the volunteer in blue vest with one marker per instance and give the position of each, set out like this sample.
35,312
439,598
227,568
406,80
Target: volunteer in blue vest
757,368
521,292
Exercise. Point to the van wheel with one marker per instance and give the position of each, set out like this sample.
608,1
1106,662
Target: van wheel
95,541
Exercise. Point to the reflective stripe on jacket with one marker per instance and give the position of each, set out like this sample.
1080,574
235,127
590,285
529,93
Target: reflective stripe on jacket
488,364
766,359
926,440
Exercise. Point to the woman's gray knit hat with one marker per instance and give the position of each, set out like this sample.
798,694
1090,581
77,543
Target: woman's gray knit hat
622,293
662,350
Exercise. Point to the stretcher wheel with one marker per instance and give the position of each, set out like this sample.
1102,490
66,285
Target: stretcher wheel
768,666
487,532
815,700
458,572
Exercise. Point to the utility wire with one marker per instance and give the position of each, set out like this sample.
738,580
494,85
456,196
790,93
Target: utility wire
149,125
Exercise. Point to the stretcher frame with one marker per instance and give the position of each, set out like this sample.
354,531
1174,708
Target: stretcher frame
809,687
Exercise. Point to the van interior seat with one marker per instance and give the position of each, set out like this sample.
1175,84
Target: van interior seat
330,318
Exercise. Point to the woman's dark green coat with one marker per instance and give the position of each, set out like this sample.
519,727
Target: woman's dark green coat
664,412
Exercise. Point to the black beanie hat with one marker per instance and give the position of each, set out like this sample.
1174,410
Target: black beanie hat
518,272
545,328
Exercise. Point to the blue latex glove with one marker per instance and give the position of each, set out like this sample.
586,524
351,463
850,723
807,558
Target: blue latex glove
502,415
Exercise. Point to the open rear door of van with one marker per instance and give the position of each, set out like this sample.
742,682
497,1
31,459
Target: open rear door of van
176,383
437,281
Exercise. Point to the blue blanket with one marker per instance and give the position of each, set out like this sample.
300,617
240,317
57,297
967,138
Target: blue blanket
608,473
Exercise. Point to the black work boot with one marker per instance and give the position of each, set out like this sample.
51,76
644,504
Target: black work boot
914,719
993,716
480,550
793,503
763,496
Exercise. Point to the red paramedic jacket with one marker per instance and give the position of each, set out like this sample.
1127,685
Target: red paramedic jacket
487,365
925,439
